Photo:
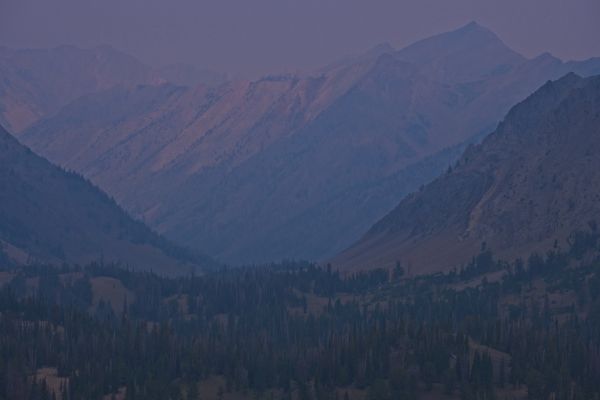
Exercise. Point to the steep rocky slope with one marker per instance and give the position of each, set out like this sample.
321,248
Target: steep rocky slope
527,187
293,167
50,215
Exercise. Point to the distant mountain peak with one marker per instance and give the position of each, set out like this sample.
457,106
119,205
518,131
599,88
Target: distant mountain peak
547,58
568,79
470,52
472,30
381,48
473,26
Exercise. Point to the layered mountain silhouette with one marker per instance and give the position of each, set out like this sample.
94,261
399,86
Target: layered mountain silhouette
38,82
529,186
289,166
52,216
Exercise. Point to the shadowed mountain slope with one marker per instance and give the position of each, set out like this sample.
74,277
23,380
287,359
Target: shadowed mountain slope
49,215
529,185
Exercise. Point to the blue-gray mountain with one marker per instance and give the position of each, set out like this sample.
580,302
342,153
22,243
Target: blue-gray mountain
527,187
52,216
35,83
294,166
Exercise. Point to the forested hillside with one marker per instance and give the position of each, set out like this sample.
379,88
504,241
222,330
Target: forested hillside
51,215
528,329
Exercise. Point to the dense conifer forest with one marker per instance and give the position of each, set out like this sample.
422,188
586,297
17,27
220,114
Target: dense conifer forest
488,330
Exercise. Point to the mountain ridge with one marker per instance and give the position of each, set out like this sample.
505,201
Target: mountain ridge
39,82
516,192
232,167
52,216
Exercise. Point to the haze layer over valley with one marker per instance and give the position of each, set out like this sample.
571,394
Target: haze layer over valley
287,166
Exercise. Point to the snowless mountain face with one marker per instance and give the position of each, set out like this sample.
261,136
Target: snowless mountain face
287,166
527,187
38,82
52,216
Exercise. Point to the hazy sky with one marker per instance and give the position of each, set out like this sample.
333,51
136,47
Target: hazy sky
256,36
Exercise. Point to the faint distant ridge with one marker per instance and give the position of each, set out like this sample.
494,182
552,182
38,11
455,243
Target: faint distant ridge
38,82
372,53
527,187
464,54
190,75
585,67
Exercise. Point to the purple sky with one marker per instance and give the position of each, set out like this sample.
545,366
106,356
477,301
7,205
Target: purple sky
256,36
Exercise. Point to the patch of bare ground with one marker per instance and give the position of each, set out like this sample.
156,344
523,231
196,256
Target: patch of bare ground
14,253
491,277
111,291
181,302
54,382
6,277
559,302
121,394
